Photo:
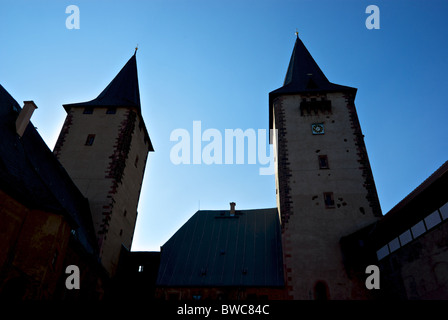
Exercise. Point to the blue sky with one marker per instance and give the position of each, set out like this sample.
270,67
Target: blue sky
216,62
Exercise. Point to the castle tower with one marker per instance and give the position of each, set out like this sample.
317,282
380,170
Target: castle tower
104,145
325,187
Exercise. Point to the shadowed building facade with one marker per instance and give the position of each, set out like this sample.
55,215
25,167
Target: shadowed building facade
104,145
45,221
324,183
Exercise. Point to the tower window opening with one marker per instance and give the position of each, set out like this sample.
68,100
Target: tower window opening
329,200
111,110
88,110
90,139
323,162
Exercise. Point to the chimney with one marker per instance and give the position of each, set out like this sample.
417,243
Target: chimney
232,208
24,117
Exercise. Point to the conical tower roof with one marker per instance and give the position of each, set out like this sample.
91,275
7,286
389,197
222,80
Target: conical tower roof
304,76
123,91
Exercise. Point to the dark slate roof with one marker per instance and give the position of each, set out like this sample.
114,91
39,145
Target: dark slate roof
215,249
123,91
304,76
30,173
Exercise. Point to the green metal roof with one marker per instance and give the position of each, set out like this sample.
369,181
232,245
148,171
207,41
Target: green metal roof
216,249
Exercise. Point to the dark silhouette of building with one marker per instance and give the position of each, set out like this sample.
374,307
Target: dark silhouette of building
78,206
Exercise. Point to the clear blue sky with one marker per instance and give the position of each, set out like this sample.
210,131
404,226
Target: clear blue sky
216,62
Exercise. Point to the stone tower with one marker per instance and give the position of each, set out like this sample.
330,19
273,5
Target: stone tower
104,145
324,183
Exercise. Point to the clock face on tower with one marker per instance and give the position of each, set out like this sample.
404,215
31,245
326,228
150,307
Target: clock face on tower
317,128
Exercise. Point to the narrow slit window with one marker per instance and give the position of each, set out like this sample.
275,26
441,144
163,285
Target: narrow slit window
329,200
90,139
323,162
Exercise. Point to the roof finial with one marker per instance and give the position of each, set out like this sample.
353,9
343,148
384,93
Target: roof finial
136,48
297,33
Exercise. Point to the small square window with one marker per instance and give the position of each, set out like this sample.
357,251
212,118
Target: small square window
323,162
88,110
394,245
433,219
381,253
405,237
329,199
111,110
418,229
90,139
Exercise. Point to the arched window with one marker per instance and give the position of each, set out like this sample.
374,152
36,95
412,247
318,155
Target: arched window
321,291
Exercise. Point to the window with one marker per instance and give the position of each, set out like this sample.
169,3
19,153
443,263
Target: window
444,211
320,291
329,200
381,253
405,237
323,162
394,245
136,161
418,229
88,110
111,110
140,268
432,220
90,139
